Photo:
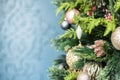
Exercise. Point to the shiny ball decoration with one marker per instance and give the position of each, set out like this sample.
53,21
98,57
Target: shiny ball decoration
71,58
115,38
93,69
83,76
65,25
70,15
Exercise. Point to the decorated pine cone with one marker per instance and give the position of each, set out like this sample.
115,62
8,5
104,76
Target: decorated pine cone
93,69
115,38
71,58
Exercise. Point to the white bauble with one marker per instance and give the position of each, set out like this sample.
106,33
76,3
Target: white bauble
115,38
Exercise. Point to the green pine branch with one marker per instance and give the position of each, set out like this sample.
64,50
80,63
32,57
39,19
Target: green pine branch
89,23
112,68
62,43
88,54
70,33
61,60
82,5
71,76
57,74
117,5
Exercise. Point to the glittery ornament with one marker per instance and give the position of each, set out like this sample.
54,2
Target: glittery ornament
71,58
79,32
93,69
70,14
115,38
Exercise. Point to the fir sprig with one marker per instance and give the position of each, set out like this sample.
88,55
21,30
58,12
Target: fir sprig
57,74
117,5
89,23
61,43
111,70
88,54
61,61
70,33
66,6
84,5
71,76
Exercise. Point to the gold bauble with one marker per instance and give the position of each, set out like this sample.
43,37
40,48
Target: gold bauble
83,76
71,58
115,38
93,69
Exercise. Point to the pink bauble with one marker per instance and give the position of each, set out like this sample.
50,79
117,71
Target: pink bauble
70,14
83,76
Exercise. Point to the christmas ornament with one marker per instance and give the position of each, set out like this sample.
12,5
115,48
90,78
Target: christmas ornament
70,14
71,57
83,76
115,38
93,69
79,32
65,25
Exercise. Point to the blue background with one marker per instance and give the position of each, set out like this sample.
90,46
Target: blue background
26,28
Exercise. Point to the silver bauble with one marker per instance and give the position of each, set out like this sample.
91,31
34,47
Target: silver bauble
115,38
65,25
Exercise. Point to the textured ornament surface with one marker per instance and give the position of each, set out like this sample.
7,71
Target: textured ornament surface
92,68
115,38
71,58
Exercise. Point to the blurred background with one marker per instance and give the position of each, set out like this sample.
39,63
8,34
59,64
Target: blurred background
26,28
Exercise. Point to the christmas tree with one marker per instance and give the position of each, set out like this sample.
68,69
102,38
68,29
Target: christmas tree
91,40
